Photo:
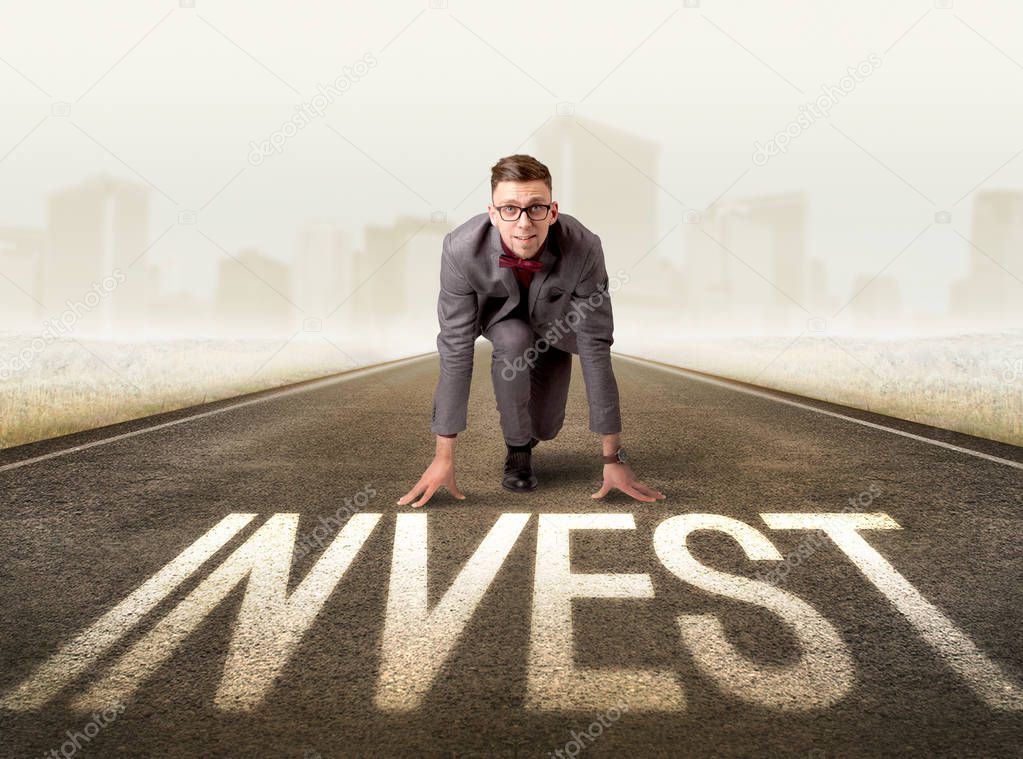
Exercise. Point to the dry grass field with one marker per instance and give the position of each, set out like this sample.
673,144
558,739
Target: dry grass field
969,383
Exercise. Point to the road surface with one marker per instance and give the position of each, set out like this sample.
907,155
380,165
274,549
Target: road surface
148,610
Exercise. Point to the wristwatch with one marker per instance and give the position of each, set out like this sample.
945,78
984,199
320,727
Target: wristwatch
618,457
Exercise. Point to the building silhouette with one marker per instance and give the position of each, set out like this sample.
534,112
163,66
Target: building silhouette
745,268
96,230
253,296
603,177
818,297
397,278
876,305
990,296
22,256
325,267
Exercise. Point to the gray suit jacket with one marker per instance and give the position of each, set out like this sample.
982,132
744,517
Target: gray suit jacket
569,307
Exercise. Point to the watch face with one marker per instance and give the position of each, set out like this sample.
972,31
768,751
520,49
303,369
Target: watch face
621,455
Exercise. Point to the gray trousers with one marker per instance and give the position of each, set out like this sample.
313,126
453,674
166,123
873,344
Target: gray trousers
530,386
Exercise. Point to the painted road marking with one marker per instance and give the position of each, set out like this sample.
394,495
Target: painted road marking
417,642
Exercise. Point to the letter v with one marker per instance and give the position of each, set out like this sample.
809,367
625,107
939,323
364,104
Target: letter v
415,643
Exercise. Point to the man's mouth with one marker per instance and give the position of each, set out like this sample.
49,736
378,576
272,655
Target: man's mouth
523,239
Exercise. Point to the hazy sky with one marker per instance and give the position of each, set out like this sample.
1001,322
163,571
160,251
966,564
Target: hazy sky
175,96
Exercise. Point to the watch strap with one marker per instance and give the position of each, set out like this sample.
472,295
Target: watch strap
613,458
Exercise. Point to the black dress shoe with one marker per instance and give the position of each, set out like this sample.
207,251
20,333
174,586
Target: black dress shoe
518,472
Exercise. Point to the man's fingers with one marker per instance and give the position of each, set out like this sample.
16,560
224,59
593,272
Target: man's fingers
637,495
602,492
453,489
648,490
429,494
415,491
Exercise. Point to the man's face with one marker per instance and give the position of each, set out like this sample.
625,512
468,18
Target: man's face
523,236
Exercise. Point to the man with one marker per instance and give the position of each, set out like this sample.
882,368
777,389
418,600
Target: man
532,281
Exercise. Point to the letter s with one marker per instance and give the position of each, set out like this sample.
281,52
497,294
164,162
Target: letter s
821,676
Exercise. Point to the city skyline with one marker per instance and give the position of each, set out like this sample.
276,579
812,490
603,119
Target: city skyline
742,267
359,118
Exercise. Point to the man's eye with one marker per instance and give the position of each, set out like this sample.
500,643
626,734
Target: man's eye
509,209
536,209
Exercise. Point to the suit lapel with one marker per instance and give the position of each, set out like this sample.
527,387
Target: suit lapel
507,276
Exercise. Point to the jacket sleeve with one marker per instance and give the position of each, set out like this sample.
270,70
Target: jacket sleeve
594,336
457,316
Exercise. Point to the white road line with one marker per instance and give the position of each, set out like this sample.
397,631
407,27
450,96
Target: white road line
314,385
356,373
770,396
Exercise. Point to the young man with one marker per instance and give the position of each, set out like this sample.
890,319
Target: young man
533,282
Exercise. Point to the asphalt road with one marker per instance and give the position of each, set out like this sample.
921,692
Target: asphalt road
858,664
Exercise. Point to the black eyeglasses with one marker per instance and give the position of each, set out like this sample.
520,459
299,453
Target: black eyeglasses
536,212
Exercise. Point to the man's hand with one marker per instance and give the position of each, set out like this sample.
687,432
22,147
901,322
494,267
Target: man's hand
620,476
440,472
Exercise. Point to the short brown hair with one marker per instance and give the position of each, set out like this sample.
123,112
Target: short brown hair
518,168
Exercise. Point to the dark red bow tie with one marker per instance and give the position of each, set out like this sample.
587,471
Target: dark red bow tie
514,262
